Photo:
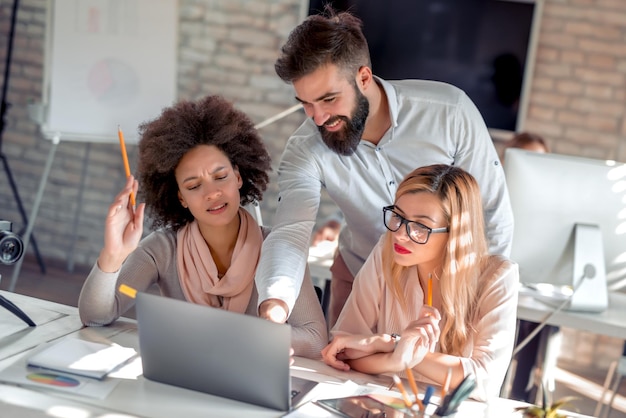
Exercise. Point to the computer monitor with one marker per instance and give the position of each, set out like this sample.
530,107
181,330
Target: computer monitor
484,47
570,222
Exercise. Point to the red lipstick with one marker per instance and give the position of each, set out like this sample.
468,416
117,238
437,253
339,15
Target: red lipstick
400,249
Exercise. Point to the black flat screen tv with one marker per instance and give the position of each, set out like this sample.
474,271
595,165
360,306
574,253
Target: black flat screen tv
480,46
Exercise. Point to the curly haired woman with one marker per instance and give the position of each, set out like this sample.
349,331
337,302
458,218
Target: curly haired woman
198,163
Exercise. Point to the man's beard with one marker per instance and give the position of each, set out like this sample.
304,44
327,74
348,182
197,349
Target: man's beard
345,141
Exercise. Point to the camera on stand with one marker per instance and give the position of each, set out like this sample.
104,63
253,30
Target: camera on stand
11,245
11,250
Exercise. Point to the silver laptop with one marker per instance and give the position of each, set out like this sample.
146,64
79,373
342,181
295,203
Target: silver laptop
218,352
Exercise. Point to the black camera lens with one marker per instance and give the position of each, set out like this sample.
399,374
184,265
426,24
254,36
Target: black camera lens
11,247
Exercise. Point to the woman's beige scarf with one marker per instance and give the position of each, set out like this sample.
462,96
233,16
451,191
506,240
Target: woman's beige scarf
198,274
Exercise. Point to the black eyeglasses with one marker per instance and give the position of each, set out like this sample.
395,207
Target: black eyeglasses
416,231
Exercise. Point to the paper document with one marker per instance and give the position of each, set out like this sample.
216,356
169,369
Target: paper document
21,375
81,357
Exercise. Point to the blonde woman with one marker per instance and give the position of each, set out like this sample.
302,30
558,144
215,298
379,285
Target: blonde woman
435,234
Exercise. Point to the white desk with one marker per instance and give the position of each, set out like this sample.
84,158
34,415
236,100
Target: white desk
53,321
611,322
145,398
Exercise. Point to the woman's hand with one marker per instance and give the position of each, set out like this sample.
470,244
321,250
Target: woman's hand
419,338
350,347
123,228
429,319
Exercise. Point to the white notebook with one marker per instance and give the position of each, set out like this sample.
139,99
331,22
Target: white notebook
80,357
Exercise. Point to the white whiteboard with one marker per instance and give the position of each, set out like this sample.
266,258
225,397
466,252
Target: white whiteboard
109,63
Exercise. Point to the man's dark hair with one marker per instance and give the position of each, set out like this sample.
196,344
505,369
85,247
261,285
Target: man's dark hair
524,139
328,38
165,140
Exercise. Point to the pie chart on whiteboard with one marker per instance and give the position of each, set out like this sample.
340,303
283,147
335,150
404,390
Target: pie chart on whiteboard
113,82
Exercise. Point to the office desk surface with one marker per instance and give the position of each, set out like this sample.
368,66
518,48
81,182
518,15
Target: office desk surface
139,397
611,322
53,321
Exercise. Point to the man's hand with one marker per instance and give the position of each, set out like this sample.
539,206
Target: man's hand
274,310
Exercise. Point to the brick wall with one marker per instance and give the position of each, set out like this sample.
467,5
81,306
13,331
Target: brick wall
578,92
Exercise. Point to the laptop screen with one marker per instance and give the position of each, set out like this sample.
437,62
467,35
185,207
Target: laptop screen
214,351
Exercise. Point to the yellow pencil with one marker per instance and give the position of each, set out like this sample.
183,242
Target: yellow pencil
400,387
446,383
409,374
430,290
120,134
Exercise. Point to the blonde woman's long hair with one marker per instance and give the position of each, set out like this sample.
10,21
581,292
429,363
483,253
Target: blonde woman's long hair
465,252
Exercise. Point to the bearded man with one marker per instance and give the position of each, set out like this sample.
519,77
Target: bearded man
362,135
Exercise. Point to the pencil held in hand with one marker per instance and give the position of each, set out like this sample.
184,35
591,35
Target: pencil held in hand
120,134
430,290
